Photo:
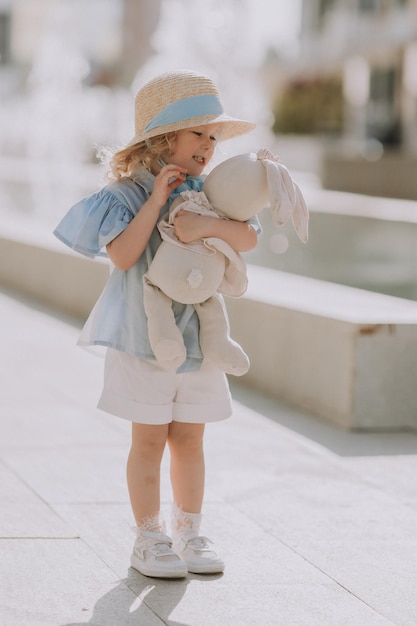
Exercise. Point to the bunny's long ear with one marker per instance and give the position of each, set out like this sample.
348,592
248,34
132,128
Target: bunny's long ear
286,199
300,216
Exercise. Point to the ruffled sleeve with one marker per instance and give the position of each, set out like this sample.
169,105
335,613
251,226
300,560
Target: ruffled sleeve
93,222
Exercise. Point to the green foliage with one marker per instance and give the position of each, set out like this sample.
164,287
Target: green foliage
310,107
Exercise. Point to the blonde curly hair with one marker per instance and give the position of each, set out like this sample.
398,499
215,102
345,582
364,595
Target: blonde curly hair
124,162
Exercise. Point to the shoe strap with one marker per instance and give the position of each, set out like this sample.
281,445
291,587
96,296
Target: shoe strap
158,544
199,543
157,537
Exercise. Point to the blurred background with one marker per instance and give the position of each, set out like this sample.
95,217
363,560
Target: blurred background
332,85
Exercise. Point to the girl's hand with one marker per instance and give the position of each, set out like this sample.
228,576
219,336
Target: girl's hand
190,226
125,249
168,179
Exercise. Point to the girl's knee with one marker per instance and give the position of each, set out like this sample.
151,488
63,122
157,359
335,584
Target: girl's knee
186,438
149,440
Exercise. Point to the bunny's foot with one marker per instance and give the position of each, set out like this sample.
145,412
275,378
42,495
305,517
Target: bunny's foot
216,344
228,356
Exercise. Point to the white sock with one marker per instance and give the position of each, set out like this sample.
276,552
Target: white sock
185,524
153,523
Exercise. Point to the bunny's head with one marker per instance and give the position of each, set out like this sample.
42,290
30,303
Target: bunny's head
242,186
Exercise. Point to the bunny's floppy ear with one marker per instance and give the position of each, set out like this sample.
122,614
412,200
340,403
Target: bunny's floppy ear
286,199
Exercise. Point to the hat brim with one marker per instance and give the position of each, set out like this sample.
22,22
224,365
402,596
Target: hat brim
230,127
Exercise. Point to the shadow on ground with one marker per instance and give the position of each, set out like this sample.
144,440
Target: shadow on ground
342,443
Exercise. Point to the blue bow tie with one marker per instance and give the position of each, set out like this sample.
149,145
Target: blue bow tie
191,183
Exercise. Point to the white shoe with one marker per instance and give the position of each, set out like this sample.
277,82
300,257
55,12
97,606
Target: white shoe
153,556
198,555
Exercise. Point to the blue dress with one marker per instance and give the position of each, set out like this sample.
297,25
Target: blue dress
118,319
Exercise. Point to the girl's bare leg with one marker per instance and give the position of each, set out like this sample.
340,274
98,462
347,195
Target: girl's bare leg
187,477
152,553
187,465
143,470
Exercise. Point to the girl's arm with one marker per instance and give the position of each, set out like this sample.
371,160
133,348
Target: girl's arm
190,227
126,248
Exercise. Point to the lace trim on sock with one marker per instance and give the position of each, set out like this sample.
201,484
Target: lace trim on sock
183,521
153,523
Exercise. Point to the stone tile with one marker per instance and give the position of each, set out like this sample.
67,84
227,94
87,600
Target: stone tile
348,525
381,573
251,437
308,538
395,475
263,579
53,424
356,534
51,367
254,604
66,474
61,582
24,514
246,547
83,474
252,453
344,443
243,544
106,528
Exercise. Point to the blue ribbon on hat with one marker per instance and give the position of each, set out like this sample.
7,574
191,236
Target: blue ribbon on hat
194,106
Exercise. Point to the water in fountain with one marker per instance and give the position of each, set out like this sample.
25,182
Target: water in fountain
61,120
57,122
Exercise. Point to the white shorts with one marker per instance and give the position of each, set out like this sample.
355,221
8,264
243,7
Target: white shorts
140,391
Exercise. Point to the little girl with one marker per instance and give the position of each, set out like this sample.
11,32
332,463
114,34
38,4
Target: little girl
179,119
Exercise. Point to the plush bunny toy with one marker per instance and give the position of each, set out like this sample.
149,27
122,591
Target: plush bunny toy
199,272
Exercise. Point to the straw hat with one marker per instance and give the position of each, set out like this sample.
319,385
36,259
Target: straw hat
182,99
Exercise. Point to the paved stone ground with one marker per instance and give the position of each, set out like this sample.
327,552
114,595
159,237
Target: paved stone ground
317,527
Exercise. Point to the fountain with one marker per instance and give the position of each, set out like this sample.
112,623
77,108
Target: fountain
60,120
57,124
